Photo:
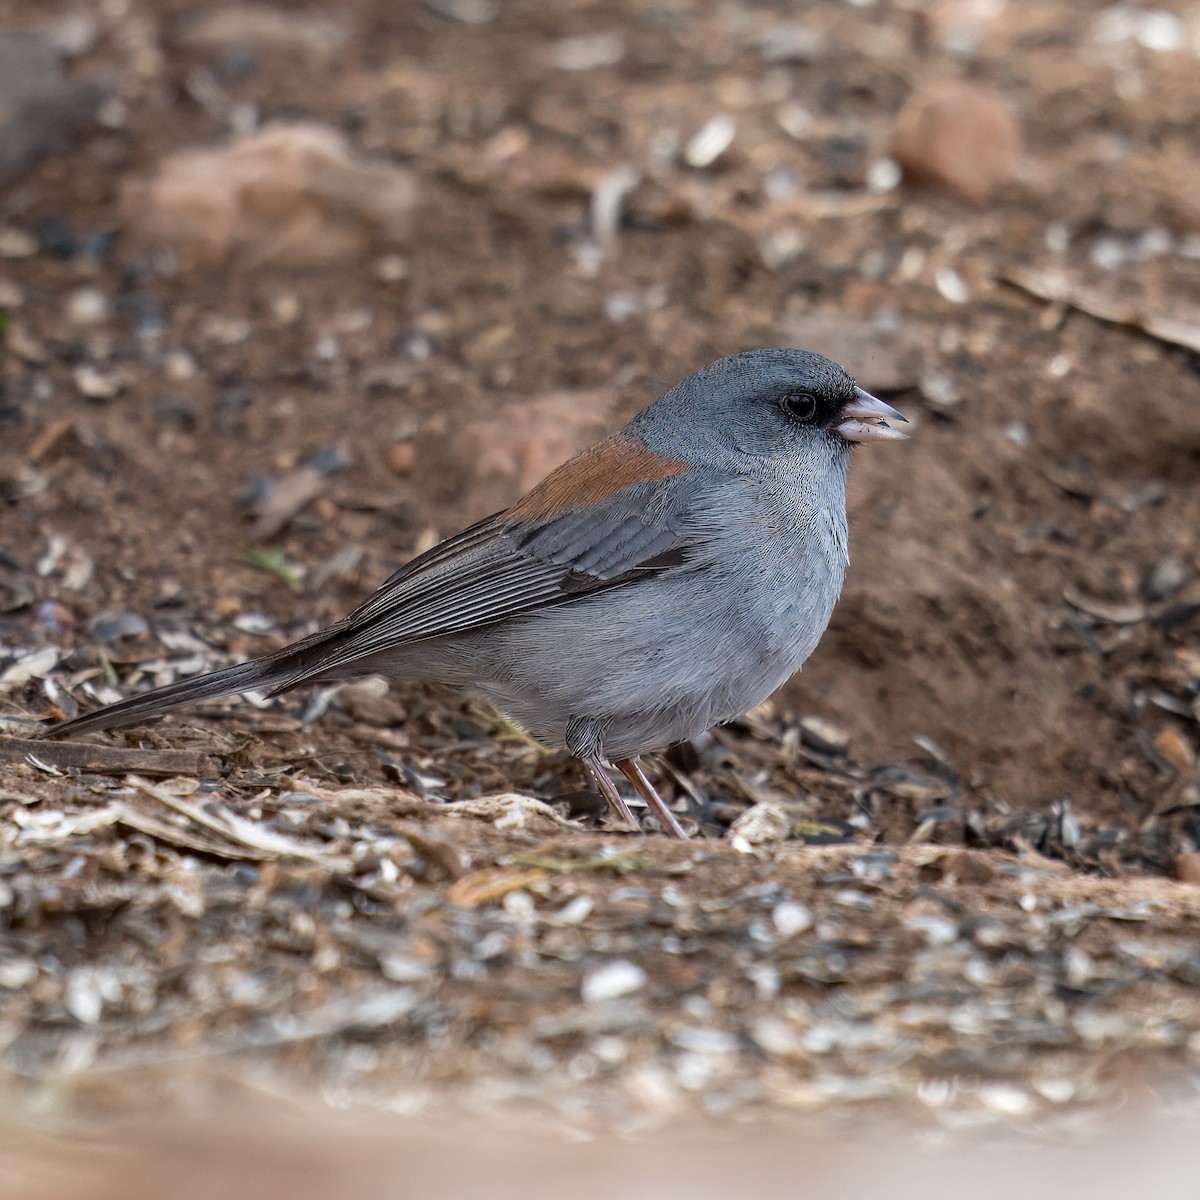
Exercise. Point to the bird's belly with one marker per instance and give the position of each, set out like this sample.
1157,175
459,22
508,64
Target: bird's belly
653,664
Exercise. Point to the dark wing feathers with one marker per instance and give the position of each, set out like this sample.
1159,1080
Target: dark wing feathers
494,571
497,569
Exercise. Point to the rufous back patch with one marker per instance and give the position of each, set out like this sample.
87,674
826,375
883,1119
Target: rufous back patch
592,477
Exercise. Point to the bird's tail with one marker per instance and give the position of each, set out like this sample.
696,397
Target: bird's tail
273,672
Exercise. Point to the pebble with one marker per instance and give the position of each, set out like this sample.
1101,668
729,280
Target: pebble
17,973
874,866
574,912
705,1041
936,931
388,375
17,243
824,735
1078,967
400,967
98,384
1174,746
611,981
710,142
793,43
778,1038
1152,29
469,12
402,457
1108,253
112,627
940,390
225,330
588,52
1006,1099
83,1000
254,622
88,306
179,365
960,136
1187,866
760,825
19,341
1017,432
962,27
781,246
935,1093
391,268
693,1071
951,285
791,918
795,120
883,175
415,345
147,316
12,295
1169,576
780,183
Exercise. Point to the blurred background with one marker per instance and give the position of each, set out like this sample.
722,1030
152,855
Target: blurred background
288,292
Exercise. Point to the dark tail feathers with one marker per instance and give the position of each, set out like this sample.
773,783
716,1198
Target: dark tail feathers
273,671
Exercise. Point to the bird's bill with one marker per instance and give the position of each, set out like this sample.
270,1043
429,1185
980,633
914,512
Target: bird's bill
865,419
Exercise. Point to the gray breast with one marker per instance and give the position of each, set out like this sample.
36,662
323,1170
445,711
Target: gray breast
666,659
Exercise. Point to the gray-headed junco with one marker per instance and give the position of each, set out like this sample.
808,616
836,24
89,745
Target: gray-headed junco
666,580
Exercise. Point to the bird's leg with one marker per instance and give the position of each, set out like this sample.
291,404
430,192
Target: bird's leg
584,737
632,771
608,790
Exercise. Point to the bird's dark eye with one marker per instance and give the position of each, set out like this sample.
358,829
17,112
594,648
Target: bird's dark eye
800,405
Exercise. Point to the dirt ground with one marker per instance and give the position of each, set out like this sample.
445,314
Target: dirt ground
960,882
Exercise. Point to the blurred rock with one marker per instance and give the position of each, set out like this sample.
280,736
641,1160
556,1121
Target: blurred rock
20,342
881,354
263,27
98,383
793,42
1172,745
1169,576
589,52
824,735
1187,866
39,107
964,26
710,142
389,375
959,136
469,12
1152,29
113,625
17,243
505,456
87,306
293,194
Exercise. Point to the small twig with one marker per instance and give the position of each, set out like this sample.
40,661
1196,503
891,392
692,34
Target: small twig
227,824
108,760
1055,287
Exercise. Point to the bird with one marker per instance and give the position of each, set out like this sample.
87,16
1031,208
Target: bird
664,581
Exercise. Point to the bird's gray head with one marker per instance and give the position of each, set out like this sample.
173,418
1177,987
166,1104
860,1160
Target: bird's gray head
764,405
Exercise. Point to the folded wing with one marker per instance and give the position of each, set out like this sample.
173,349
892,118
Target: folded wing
540,553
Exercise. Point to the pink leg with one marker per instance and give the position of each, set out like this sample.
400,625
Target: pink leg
609,791
632,771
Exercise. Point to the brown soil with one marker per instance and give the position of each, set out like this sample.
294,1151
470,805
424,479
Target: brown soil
1025,588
